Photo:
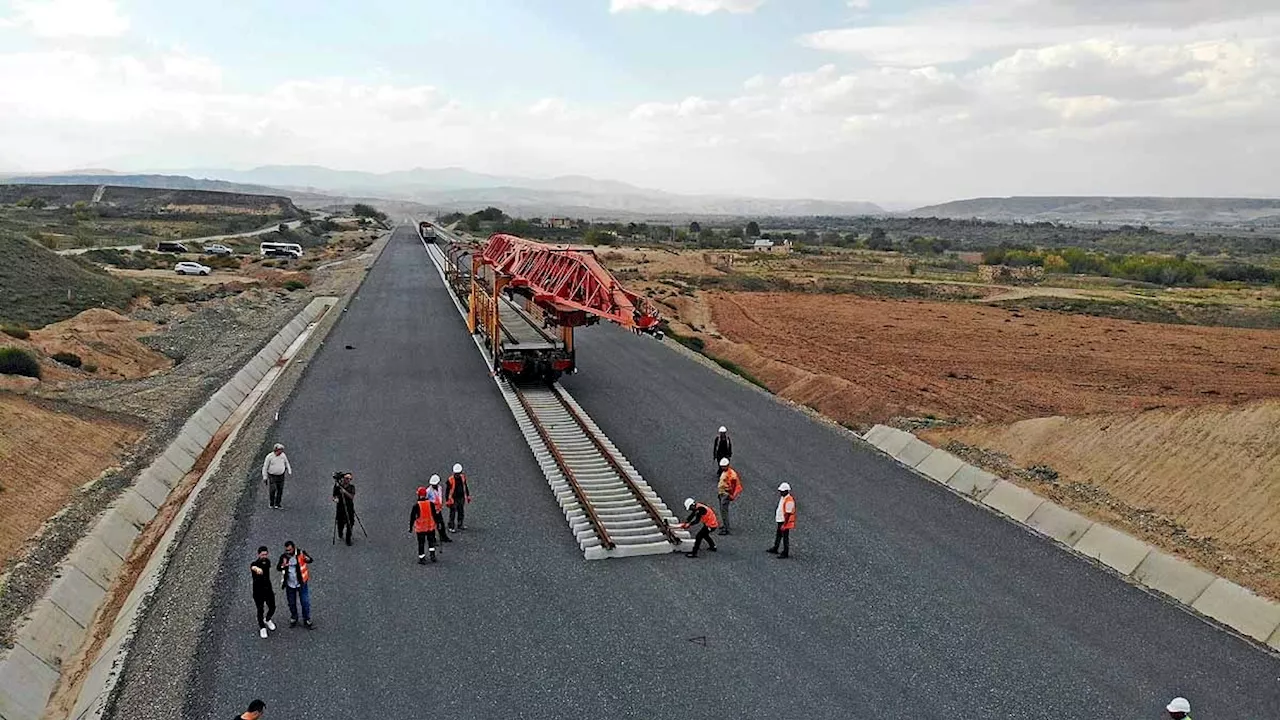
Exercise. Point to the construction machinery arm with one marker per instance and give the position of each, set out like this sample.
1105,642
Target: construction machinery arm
568,281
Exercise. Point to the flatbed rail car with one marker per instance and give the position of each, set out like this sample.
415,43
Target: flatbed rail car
524,342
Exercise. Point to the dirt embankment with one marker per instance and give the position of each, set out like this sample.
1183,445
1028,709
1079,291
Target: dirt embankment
49,450
1202,482
863,361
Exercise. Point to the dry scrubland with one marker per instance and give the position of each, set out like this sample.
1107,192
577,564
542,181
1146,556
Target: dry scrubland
1169,430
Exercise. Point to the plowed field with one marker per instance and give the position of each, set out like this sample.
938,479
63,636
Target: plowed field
863,361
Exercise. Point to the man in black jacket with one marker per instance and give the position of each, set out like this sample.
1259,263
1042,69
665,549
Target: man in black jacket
722,448
344,499
264,595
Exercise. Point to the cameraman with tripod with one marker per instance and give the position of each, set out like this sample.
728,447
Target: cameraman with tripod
344,499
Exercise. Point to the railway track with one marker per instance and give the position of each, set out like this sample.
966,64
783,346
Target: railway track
610,509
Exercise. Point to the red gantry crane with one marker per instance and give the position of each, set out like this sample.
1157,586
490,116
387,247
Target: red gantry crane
526,297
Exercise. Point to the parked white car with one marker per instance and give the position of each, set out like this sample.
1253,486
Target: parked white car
218,250
192,268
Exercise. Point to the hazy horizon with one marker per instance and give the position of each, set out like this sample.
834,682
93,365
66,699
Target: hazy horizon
896,102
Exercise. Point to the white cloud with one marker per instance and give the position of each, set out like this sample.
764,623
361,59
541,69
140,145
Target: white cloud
697,7
1140,110
68,18
976,28
860,4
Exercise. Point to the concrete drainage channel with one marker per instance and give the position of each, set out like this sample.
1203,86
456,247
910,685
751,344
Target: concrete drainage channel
68,648
611,510
1207,594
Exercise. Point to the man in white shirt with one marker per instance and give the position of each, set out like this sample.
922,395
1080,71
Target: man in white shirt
274,468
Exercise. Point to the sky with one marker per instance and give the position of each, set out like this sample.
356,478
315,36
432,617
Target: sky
893,101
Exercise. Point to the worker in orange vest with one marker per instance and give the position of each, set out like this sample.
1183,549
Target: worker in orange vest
785,516
456,496
727,490
422,522
700,513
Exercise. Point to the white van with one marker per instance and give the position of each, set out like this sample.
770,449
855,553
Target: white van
279,249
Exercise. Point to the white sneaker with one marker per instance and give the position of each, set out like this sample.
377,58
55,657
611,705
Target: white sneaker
271,626
262,633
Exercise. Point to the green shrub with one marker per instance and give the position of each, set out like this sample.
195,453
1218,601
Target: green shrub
15,331
736,369
90,368
292,285
66,358
15,361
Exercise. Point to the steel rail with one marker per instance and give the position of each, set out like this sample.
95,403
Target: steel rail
569,475
645,503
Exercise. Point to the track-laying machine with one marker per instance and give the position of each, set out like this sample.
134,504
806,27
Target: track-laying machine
525,298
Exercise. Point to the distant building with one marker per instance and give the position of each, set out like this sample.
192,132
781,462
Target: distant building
559,223
763,245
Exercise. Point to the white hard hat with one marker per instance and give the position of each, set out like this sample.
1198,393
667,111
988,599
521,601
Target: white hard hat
724,429
724,462
279,446
1179,704
688,503
784,487
457,467
435,479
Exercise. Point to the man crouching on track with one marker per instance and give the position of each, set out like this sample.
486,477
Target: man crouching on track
700,513
422,522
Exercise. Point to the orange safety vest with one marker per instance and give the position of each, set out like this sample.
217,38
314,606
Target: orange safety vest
454,480
426,521
788,512
733,483
709,517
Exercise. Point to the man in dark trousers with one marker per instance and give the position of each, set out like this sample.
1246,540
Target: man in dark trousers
264,595
436,495
295,577
785,516
722,448
700,513
344,499
255,711
457,495
422,522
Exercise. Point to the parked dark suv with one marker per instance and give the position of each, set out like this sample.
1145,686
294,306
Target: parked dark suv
171,247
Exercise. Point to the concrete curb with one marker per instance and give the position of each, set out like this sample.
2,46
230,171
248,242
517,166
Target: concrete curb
53,633
1194,588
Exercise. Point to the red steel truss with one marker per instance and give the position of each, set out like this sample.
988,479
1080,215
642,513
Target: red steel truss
568,281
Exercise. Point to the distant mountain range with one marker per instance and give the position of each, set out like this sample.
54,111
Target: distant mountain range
1168,211
449,189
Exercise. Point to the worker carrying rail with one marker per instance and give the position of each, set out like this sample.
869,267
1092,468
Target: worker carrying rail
700,514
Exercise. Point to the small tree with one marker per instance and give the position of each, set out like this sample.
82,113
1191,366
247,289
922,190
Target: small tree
33,202
695,228
879,240
753,229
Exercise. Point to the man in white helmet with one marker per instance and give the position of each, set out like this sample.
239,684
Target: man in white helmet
722,448
785,516
700,513
436,495
727,490
456,496
1179,708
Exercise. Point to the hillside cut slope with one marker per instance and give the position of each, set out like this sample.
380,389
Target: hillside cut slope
1202,481
156,201
38,286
